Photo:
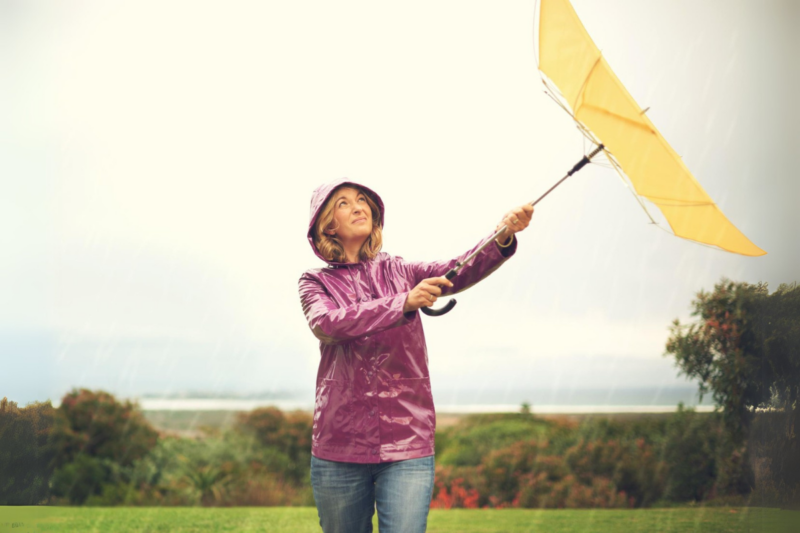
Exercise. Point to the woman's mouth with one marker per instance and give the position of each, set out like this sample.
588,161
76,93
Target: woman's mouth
362,219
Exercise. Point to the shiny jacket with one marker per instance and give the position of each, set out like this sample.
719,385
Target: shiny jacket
373,392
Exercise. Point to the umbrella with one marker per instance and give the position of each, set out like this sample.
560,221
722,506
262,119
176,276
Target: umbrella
579,79
605,110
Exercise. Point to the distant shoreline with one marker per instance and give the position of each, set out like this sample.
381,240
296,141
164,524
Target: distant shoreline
195,423
209,404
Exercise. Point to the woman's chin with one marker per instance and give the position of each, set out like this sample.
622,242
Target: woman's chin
361,232
357,235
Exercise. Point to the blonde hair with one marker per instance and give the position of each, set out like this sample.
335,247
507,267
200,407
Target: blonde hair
330,247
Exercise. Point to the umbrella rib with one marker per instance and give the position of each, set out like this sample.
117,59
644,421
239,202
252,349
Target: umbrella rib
676,201
585,81
551,92
683,204
561,102
618,116
632,189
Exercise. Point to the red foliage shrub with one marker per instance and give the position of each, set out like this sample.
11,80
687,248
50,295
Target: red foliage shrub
600,474
503,470
632,467
455,488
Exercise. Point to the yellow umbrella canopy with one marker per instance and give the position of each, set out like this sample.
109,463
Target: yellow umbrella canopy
600,104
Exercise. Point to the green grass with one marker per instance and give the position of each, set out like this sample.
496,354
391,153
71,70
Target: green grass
304,519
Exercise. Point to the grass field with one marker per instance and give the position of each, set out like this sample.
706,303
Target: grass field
304,519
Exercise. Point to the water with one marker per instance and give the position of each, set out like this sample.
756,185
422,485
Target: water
630,400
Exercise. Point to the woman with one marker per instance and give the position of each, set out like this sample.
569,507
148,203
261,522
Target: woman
374,419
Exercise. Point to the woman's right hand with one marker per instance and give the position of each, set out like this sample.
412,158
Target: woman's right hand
426,293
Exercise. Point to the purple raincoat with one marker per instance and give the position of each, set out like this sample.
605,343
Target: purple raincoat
373,394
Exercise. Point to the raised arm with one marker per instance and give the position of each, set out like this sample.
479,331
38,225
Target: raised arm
487,261
480,267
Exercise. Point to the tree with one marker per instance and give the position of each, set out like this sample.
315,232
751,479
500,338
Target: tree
690,452
288,433
92,435
25,457
745,350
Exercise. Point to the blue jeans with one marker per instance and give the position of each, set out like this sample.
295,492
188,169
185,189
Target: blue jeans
347,494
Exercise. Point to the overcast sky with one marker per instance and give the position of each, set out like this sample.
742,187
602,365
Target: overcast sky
157,160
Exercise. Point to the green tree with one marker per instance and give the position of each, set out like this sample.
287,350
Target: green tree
690,452
25,457
744,348
93,434
82,478
288,433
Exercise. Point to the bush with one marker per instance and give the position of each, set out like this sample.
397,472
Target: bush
94,439
528,474
630,466
81,478
776,457
220,469
526,464
690,452
476,436
25,457
451,490
570,493
286,433
603,462
96,424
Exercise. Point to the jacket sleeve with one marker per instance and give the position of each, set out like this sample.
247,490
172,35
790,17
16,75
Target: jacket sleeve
332,324
479,268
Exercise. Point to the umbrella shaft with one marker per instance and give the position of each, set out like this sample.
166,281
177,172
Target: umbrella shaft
579,165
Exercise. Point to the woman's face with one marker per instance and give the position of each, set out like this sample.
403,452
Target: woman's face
352,217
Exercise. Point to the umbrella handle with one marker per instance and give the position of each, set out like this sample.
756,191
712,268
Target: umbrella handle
448,306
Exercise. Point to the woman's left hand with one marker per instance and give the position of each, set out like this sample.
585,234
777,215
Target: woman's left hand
515,221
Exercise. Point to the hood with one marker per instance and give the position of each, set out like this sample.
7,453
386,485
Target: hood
320,197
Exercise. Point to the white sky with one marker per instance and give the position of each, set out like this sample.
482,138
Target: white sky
157,160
